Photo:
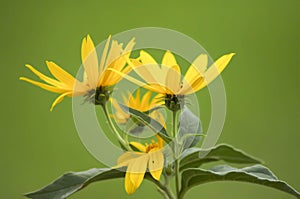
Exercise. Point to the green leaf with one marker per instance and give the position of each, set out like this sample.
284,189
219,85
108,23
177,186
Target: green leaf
190,129
72,182
256,174
192,157
150,122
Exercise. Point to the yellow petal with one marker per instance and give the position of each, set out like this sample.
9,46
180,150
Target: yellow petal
160,141
146,73
196,70
44,86
138,96
114,52
138,146
223,61
200,63
117,78
120,62
46,78
104,54
135,81
158,116
114,60
61,74
173,79
119,115
145,104
146,58
59,99
215,70
189,89
169,59
90,61
130,187
137,168
128,48
125,158
156,163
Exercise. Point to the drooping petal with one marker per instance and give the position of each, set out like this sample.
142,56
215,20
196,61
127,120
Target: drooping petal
130,187
59,99
90,61
156,163
124,159
136,169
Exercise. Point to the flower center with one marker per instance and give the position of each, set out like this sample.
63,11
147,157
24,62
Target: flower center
174,102
151,146
99,96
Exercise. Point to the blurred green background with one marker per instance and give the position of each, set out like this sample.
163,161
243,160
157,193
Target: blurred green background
262,85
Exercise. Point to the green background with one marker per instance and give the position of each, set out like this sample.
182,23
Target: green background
262,85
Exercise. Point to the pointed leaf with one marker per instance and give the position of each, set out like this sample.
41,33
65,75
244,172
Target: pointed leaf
256,174
192,157
72,182
190,129
150,122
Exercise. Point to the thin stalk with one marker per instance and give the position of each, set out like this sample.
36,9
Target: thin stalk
177,183
113,128
162,188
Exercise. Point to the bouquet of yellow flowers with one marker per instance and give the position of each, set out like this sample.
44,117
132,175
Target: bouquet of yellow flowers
170,150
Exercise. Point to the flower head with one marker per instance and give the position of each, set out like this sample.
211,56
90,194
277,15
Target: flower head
144,104
167,79
149,156
96,75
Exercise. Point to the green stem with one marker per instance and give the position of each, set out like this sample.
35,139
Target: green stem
167,192
177,183
174,124
112,126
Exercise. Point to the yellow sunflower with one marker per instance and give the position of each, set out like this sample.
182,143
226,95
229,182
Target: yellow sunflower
149,156
167,79
97,77
143,104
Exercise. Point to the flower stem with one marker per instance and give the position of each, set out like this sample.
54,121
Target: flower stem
176,160
112,126
167,192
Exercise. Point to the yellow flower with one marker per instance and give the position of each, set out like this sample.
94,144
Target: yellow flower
143,104
150,156
96,75
167,79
